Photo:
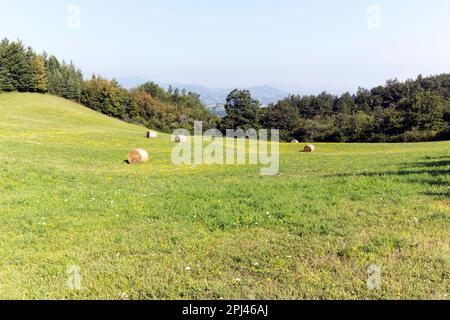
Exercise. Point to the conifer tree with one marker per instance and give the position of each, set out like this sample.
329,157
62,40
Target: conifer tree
6,80
54,75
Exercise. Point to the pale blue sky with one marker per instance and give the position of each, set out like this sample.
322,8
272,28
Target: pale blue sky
303,46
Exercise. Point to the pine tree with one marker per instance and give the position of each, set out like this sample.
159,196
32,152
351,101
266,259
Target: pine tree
17,74
27,82
55,77
73,80
6,79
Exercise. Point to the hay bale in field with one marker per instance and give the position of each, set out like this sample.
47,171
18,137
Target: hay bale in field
152,135
138,156
295,141
309,148
180,138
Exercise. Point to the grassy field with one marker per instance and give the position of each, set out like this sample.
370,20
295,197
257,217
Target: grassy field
159,231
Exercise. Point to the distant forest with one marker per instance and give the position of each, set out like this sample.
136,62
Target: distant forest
415,110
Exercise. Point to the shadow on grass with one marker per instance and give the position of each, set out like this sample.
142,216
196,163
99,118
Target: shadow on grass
437,168
433,164
444,194
431,172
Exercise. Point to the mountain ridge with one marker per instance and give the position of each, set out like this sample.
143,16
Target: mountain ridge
212,97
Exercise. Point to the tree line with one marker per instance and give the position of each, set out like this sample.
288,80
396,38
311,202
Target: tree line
411,111
414,110
23,70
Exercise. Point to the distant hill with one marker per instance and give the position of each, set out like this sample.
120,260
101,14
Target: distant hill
215,97
212,96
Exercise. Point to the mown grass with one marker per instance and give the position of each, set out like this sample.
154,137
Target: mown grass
68,198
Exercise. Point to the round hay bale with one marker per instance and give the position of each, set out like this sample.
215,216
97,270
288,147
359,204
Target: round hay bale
295,141
180,138
138,156
309,148
152,135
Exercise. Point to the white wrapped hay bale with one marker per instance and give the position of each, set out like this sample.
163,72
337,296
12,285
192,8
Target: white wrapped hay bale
152,135
138,156
180,138
310,148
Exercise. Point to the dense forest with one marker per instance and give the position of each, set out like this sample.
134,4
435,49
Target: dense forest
412,111
415,110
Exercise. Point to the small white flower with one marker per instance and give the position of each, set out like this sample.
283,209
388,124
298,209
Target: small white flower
123,295
187,269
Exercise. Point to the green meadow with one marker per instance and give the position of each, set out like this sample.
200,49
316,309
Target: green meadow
160,231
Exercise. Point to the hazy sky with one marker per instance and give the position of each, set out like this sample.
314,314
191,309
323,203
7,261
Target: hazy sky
303,46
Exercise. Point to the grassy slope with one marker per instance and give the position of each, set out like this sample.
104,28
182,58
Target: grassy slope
68,198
